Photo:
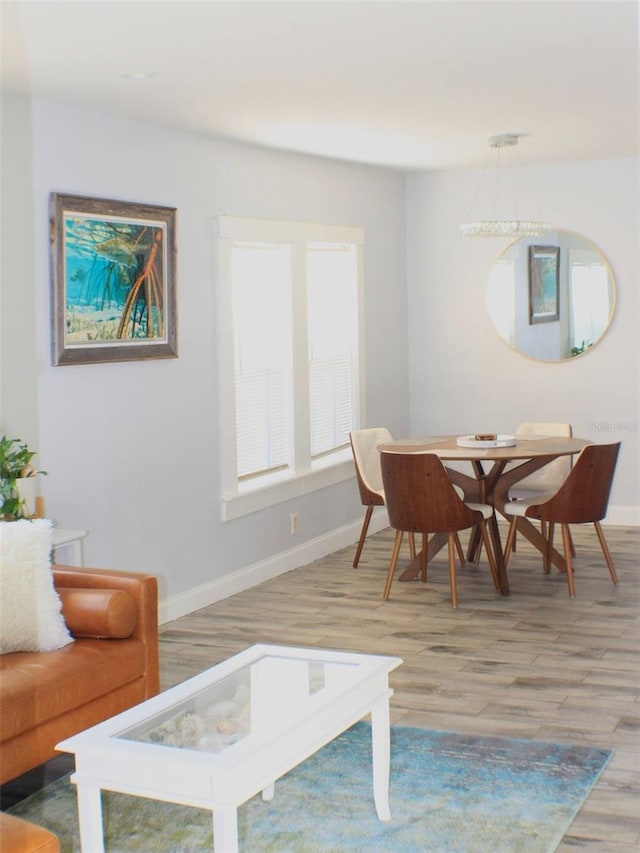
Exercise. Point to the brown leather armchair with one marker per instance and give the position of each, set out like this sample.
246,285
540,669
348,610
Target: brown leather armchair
111,665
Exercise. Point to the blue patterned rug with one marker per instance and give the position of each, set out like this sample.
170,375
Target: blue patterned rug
450,793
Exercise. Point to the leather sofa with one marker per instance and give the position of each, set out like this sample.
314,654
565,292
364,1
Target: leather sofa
111,665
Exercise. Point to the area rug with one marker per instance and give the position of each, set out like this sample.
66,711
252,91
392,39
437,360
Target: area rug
450,793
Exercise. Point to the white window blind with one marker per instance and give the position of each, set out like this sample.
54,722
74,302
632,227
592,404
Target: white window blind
332,325
261,300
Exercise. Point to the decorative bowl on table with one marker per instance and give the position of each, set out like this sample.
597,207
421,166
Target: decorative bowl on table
485,440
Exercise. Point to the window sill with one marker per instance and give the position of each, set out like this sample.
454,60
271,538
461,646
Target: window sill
243,503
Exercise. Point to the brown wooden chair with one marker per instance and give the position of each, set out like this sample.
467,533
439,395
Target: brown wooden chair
583,498
366,458
422,499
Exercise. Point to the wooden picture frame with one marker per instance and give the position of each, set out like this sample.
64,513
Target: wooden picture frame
544,279
113,280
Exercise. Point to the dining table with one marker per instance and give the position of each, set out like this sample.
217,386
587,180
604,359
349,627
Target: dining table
494,470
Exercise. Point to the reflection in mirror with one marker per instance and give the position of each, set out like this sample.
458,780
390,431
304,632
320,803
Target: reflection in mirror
551,305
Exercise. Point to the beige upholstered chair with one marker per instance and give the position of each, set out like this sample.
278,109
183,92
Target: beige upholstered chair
548,479
582,498
421,498
366,458
551,477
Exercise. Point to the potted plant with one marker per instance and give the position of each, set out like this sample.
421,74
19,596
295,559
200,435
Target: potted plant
17,500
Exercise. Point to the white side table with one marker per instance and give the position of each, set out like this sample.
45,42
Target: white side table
69,544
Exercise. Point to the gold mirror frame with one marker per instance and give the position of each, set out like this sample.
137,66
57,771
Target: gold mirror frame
551,298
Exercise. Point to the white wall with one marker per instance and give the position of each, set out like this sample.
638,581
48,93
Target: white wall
131,448
18,350
464,379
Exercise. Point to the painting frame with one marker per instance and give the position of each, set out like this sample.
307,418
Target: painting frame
113,280
544,284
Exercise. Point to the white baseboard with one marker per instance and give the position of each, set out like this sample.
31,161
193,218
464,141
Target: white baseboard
216,590
201,596
623,516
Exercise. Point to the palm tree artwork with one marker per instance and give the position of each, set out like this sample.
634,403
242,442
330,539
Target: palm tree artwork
114,279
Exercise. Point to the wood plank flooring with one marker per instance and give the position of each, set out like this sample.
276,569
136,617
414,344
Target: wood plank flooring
536,665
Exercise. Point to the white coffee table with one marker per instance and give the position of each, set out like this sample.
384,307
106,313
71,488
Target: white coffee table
230,732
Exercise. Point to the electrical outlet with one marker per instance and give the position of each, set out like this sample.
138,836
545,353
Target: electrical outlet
294,522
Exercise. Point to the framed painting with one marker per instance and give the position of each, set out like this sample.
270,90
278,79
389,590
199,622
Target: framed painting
544,277
113,287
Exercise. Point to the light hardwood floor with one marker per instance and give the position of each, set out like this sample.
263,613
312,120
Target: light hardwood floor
535,665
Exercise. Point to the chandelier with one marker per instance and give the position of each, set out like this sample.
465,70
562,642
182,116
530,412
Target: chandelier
501,226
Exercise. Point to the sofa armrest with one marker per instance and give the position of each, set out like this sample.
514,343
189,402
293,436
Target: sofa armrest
143,588
102,614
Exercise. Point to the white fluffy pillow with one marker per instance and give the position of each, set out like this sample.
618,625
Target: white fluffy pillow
30,612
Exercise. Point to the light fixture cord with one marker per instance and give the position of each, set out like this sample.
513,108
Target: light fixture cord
496,187
475,195
514,192
532,191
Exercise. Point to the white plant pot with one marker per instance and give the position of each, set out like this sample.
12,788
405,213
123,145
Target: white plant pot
28,489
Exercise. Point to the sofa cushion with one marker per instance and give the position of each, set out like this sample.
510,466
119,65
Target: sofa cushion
31,611
39,686
99,613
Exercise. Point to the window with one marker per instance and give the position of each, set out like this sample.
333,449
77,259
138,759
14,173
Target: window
289,354
589,293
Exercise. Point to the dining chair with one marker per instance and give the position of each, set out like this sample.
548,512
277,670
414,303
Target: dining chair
553,475
421,498
547,480
582,498
366,459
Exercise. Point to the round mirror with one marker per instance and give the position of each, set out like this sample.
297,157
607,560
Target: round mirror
551,298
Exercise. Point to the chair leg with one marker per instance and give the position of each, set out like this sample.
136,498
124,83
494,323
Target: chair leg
566,540
363,535
605,551
460,551
490,555
412,545
511,535
548,548
453,581
423,558
573,547
394,561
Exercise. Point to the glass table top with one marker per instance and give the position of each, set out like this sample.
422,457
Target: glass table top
264,696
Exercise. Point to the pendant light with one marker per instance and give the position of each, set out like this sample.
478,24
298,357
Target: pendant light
499,225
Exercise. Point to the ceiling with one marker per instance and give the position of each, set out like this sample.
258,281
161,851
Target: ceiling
407,85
